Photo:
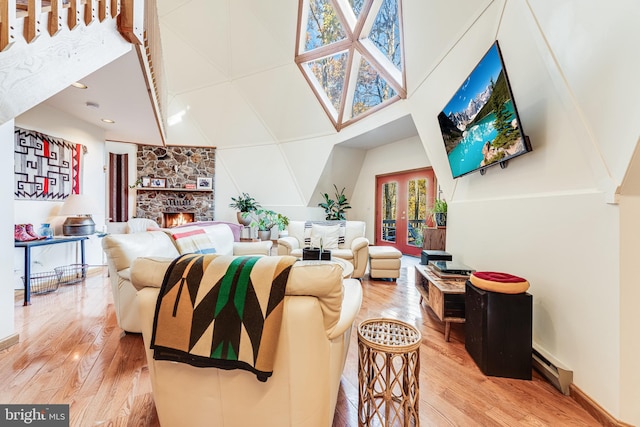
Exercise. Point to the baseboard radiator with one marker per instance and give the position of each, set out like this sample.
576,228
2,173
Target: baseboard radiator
552,370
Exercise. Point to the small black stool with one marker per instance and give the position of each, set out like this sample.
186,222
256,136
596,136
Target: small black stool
498,325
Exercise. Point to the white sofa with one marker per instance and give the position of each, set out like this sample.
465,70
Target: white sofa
355,248
122,249
319,310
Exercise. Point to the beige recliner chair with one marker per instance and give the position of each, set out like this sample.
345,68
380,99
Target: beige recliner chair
319,311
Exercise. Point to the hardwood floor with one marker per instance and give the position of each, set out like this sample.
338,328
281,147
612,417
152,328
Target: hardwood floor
71,351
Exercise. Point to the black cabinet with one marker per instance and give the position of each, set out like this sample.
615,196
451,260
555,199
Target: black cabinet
498,332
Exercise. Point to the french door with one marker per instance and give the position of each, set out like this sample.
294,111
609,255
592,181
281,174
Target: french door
403,201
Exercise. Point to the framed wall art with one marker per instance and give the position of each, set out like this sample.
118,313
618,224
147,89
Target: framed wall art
46,167
158,183
204,183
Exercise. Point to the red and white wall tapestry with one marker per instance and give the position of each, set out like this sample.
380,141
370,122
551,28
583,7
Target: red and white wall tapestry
46,168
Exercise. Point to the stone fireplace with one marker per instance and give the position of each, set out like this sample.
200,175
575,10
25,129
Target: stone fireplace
179,201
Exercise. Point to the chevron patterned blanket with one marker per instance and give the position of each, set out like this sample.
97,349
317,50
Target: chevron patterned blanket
222,311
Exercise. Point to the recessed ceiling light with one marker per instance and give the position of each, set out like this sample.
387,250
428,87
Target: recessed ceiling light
79,85
108,121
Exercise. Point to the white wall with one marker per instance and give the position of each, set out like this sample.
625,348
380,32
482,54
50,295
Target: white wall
629,297
293,184
58,124
7,323
394,157
567,247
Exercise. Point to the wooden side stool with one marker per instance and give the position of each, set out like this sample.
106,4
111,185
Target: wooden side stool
388,373
498,326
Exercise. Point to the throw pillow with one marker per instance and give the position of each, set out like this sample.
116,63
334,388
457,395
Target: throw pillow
203,240
325,235
309,224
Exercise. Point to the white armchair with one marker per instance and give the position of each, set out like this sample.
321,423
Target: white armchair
355,248
138,225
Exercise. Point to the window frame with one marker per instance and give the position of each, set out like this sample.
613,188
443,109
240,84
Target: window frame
356,47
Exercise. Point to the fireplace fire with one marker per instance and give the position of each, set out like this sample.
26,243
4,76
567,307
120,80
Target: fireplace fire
174,219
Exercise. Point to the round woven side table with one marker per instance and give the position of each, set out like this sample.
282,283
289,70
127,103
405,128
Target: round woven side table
388,373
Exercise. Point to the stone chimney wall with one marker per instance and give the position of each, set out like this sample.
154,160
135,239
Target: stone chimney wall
179,167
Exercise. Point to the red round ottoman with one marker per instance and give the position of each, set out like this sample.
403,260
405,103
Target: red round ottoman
503,283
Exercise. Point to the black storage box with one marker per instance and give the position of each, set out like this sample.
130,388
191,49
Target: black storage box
314,253
498,332
431,255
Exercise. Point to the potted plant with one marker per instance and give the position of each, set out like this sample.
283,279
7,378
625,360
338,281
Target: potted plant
265,220
440,212
335,209
244,204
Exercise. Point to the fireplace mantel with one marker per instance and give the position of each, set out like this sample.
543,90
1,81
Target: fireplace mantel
179,190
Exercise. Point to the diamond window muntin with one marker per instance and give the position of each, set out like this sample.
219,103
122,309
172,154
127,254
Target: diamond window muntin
351,53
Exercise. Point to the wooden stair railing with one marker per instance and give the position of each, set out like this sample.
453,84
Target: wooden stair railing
32,11
153,50
7,23
137,22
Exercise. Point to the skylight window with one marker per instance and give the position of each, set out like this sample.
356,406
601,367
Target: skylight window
351,53
323,25
329,73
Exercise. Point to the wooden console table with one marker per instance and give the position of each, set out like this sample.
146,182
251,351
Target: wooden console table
27,257
445,296
434,238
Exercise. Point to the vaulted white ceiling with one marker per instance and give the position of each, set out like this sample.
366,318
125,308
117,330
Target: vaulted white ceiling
230,67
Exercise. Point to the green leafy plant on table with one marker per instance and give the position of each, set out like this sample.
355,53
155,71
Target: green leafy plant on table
265,219
244,203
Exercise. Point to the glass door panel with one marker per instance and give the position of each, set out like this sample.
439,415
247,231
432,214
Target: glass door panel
389,209
416,211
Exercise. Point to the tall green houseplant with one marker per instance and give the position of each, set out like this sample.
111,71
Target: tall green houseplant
334,209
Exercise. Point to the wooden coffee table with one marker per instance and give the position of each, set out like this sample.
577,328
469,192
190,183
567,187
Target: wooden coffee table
445,296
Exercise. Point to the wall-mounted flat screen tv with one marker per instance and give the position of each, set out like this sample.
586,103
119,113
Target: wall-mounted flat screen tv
480,125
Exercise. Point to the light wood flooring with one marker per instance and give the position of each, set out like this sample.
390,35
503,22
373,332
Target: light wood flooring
71,351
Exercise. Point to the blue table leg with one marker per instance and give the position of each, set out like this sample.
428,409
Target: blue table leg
27,275
82,258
